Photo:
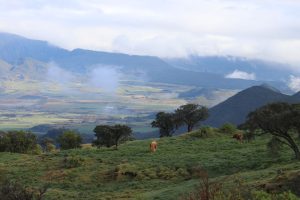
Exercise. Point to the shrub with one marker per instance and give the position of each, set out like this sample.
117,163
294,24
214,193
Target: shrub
228,128
69,140
249,136
262,195
48,144
72,161
12,190
203,132
38,150
125,171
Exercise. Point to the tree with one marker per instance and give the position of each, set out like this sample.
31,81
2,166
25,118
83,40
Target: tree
18,141
165,123
111,135
103,134
121,133
69,140
191,115
278,119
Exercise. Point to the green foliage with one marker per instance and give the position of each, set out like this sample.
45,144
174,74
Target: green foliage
13,190
73,161
249,135
278,119
262,195
38,150
190,115
165,123
134,173
69,140
111,135
216,190
274,146
18,142
228,128
48,144
203,132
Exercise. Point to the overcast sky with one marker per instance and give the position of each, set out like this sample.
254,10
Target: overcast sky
268,29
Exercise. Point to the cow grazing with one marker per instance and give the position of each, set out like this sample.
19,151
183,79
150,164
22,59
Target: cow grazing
153,146
238,137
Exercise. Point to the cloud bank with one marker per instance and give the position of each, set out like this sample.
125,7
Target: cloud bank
294,83
265,29
58,75
106,78
237,74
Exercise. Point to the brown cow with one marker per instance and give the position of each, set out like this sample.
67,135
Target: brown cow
153,146
238,137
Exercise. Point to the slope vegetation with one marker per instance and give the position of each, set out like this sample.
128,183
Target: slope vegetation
132,172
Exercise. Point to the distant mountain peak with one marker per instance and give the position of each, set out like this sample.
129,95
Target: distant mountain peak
236,108
267,86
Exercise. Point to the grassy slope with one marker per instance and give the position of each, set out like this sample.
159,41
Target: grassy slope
165,174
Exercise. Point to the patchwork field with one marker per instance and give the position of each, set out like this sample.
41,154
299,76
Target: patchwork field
24,104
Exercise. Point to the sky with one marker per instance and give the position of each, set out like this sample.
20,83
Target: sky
264,29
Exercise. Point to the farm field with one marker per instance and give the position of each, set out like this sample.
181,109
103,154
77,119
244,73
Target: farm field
27,104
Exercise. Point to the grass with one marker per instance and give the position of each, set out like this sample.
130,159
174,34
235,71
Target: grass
132,172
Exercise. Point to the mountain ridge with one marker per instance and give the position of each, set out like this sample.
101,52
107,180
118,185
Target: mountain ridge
18,49
236,108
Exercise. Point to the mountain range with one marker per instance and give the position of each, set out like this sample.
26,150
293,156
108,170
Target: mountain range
17,51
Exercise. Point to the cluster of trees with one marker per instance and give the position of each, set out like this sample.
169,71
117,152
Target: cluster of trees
281,120
111,135
189,115
18,142
27,142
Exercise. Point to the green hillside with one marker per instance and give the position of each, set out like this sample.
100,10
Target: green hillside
132,172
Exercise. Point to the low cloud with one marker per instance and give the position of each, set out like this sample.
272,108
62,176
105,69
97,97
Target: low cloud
237,74
294,83
105,78
58,75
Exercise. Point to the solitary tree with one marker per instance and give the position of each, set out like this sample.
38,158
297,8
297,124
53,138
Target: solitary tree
111,135
69,140
279,119
191,115
165,123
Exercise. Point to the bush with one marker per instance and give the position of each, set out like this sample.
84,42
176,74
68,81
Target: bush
48,144
11,190
38,150
203,132
228,128
72,161
69,140
262,195
125,171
